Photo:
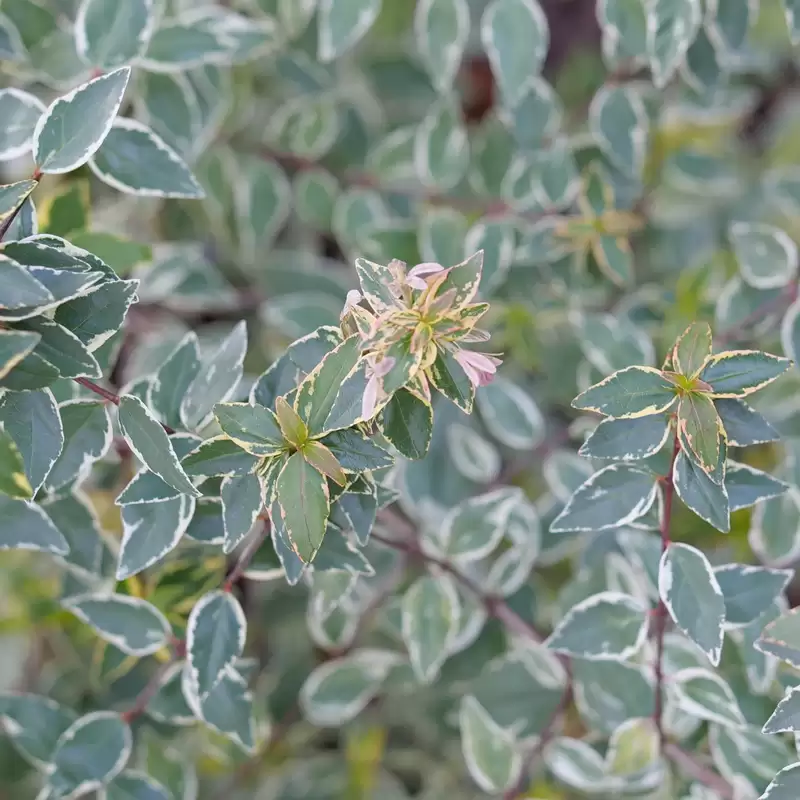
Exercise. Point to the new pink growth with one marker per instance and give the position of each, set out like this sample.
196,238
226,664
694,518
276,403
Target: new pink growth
416,276
479,367
377,370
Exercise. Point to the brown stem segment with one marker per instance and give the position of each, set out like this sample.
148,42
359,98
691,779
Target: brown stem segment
7,223
110,396
661,611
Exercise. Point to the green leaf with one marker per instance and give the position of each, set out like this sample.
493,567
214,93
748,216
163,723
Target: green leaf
749,591
699,428
786,717
490,752
747,485
767,255
692,349
109,34
150,531
781,638
34,725
217,380
13,480
774,533
516,38
318,393
375,281
408,424
342,24
89,553
473,529
131,624
324,461
218,456
228,709
786,783
441,147
32,373
626,439
253,427
151,444
315,193
535,117
131,785
356,512
340,689
356,452
293,566
73,127
690,591
792,9
738,373
510,414
577,764
304,505
89,754
604,627
12,196
63,349
177,46
615,258
18,288
215,637
616,495
450,379
629,393
20,112
173,378
33,422
700,492
743,425
618,120
135,160
242,499
441,30
671,27
705,695
87,437
431,613
264,204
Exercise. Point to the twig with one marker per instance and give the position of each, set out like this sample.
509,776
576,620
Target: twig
661,610
247,556
151,688
9,221
110,396
699,772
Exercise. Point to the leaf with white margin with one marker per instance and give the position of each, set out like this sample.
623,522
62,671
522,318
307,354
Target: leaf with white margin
747,485
338,690
516,37
786,784
227,707
109,33
20,112
689,589
474,528
706,497
615,496
774,531
618,121
242,499
706,695
786,717
475,457
151,445
135,160
431,612
749,590
131,624
604,627
179,45
626,439
150,531
441,147
34,725
72,129
490,752
89,754
767,255
441,31
781,637
633,754
577,764
133,785
510,414
26,526
217,379
215,637
671,28
342,24
168,704
87,438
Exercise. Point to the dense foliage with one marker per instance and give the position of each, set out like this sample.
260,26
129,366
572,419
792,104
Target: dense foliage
397,399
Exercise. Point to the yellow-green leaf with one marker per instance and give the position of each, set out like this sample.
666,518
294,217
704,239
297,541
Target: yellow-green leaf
324,461
13,480
700,429
293,428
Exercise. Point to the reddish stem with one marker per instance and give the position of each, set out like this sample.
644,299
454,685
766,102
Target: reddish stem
110,396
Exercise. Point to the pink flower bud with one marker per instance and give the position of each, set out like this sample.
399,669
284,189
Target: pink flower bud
479,367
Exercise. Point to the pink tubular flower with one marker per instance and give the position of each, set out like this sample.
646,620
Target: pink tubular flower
376,370
416,276
479,367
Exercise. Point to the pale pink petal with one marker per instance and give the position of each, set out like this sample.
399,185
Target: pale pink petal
384,367
370,398
353,299
416,275
479,367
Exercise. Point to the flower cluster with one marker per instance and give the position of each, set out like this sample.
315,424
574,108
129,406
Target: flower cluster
413,326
